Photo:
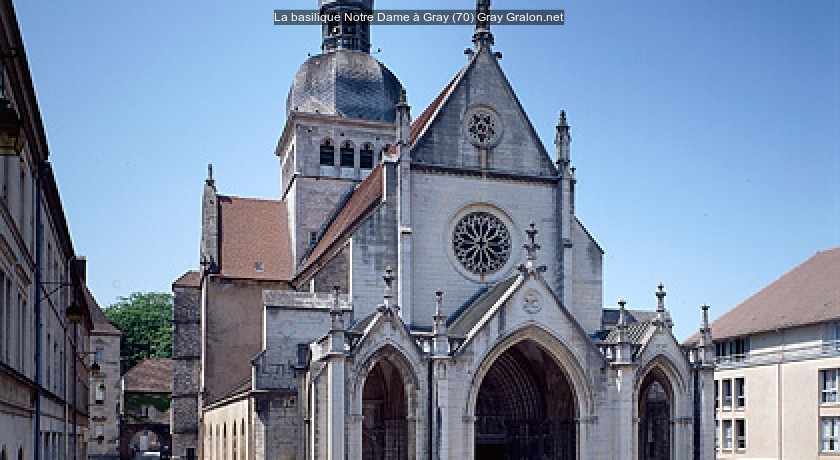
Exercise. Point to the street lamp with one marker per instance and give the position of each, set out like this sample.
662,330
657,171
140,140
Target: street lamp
74,313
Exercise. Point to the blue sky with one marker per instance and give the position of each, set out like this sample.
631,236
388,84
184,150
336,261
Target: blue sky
706,135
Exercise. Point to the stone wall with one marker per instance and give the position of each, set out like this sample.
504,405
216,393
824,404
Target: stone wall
186,354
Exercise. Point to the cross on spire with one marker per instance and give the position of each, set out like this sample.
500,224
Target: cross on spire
531,246
482,35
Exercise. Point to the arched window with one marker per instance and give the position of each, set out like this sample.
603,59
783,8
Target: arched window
366,157
327,153
100,393
224,441
348,152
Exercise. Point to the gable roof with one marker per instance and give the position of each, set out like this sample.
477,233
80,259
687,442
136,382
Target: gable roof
463,92
465,318
152,375
365,197
192,278
808,294
101,325
254,231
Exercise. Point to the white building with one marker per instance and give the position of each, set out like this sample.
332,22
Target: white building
778,366
316,327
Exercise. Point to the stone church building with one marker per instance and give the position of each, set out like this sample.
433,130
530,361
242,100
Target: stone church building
421,289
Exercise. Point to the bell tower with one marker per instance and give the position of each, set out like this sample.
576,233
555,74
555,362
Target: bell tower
341,114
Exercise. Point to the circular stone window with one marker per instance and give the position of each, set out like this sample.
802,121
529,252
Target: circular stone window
483,127
481,242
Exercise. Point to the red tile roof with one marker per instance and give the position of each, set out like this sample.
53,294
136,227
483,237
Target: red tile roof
254,240
808,294
367,195
192,278
153,375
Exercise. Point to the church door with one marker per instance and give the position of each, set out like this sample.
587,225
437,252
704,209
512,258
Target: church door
654,419
525,408
384,410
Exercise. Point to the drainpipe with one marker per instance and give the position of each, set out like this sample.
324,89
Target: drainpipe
75,381
430,416
39,234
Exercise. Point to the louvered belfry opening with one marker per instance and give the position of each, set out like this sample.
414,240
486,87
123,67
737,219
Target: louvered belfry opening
525,408
384,410
655,417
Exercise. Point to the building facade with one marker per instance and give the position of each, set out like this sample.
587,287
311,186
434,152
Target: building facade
146,403
44,360
105,408
421,289
778,367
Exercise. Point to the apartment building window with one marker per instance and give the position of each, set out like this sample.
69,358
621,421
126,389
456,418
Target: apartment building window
717,394
734,350
717,434
830,434
727,435
741,434
828,386
740,393
727,393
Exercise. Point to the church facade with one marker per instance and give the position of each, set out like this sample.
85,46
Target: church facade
421,290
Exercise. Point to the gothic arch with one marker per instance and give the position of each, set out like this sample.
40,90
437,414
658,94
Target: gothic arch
554,346
385,396
529,364
657,395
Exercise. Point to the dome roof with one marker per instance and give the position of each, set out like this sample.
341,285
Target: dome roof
345,83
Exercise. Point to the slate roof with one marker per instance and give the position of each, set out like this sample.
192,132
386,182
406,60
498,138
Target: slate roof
152,375
466,317
345,83
101,325
367,195
609,316
254,231
808,294
635,333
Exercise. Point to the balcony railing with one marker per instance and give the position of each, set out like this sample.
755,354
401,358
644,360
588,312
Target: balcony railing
781,354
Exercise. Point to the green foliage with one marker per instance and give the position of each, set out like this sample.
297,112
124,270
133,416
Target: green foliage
145,319
134,401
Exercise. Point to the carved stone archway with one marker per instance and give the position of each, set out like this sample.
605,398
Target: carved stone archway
526,407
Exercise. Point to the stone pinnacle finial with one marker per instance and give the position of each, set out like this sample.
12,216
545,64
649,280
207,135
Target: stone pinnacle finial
389,281
705,317
438,303
482,35
622,313
403,97
209,181
531,246
336,307
622,321
660,298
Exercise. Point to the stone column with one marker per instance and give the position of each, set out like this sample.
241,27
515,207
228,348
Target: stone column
336,363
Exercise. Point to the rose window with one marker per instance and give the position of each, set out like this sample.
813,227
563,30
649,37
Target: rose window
483,127
481,242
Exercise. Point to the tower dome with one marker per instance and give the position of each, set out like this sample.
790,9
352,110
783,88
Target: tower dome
345,80
345,83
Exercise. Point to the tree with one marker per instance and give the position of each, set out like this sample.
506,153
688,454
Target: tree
145,319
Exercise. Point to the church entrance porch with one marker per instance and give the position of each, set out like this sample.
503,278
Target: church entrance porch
655,418
525,408
384,411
